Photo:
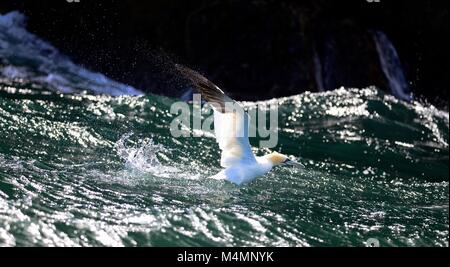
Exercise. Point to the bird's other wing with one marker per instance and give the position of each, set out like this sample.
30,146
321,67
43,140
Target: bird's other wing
209,91
231,122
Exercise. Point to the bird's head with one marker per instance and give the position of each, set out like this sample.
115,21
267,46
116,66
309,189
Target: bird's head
279,159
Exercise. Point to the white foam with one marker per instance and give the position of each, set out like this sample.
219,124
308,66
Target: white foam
143,157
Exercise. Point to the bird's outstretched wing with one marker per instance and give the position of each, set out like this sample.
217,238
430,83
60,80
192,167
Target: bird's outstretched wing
231,122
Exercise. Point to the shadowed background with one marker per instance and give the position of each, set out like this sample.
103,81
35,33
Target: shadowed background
253,49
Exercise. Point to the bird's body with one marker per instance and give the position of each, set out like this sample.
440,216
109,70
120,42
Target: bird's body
231,125
245,172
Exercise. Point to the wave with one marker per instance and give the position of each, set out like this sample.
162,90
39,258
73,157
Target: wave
26,58
103,170
73,174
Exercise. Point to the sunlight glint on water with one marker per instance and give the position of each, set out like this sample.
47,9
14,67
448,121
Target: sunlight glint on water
82,170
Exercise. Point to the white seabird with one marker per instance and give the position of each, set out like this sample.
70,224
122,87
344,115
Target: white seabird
231,130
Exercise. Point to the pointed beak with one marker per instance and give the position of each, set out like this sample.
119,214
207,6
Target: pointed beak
295,164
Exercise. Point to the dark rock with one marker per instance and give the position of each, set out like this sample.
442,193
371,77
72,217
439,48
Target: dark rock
253,49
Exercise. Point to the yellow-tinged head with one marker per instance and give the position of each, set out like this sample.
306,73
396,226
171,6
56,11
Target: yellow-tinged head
279,159
276,158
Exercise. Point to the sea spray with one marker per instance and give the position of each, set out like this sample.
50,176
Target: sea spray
71,173
144,156
24,58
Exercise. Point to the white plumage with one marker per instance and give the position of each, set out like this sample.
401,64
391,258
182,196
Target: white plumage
231,127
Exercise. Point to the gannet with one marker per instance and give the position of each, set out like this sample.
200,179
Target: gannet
231,128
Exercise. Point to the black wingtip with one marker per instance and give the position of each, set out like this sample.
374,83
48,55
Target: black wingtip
211,92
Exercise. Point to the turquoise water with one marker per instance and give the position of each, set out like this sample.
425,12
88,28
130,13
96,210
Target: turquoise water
99,170
82,169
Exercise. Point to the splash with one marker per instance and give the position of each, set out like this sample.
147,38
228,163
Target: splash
143,157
